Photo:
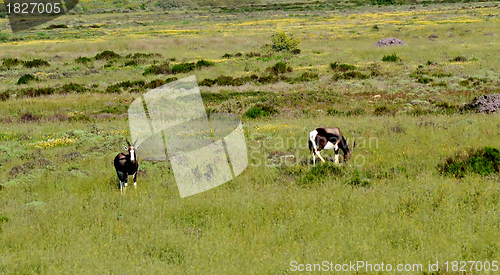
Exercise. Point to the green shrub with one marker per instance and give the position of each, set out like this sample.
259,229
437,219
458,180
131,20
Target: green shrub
142,55
354,112
72,87
155,83
35,63
130,63
204,63
158,69
4,95
356,179
482,161
27,78
113,89
11,62
424,80
183,68
107,54
83,60
383,2
260,111
32,92
459,59
284,42
334,112
279,68
319,172
252,54
390,58
56,26
342,67
382,110
349,75
305,77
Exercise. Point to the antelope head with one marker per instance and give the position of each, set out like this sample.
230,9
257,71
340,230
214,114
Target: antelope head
131,150
348,155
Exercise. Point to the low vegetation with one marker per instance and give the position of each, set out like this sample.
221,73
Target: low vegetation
421,185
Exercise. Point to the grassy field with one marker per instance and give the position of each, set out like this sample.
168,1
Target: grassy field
60,207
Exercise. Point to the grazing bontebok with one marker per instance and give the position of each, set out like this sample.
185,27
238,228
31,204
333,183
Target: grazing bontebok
329,138
126,164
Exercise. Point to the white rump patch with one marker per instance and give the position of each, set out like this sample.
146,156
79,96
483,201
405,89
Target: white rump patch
312,138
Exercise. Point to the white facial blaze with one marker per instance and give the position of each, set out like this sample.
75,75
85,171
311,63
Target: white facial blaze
132,154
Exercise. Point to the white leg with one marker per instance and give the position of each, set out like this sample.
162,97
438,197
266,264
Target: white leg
135,180
337,159
121,187
320,157
314,159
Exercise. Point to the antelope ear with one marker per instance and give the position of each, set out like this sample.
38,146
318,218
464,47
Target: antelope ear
137,148
125,147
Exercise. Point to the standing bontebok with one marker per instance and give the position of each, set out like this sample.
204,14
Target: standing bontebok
126,164
329,138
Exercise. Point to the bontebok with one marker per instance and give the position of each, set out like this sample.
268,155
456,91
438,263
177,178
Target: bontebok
329,138
126,164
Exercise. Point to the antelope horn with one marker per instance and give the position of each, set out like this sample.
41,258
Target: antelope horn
128,143
353,145
135,141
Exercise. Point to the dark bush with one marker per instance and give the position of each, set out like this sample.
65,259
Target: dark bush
72,87
113,89
142,55
459,59
158,69
130,63
305,77
107,54
390,58
204,63
183,68
11,62
424,80
261,111
349,75
56,26
253,54
342,67
28,117
83,60
280,68
27,78
267,79
155,83
382,110
35,63
227,55
32,92
207,82
383,2
354,112
482,161
4,95
319,172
